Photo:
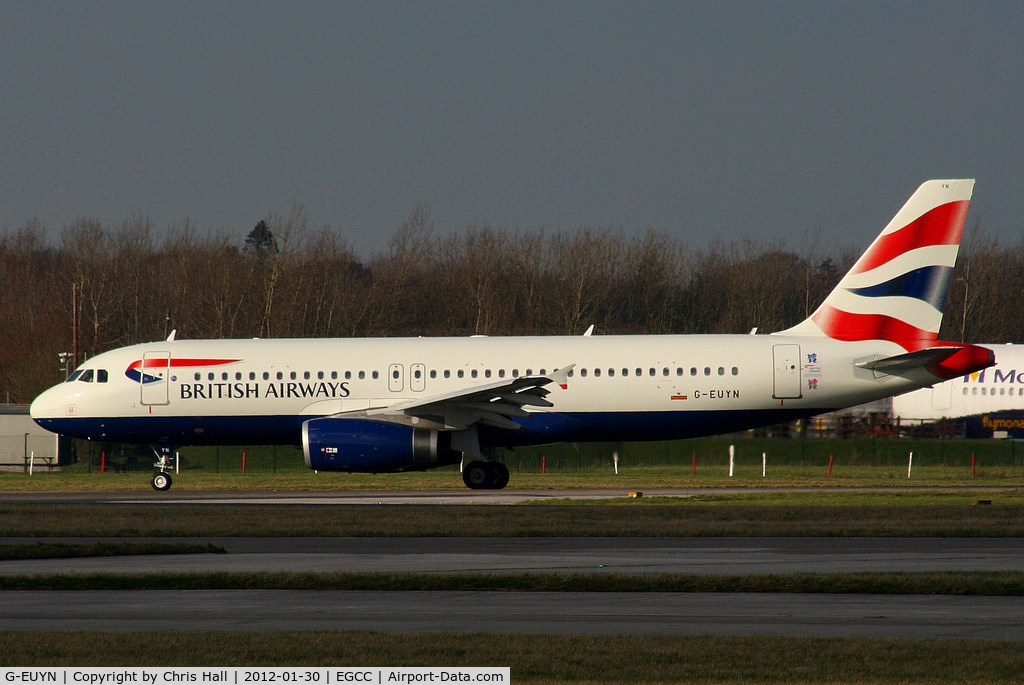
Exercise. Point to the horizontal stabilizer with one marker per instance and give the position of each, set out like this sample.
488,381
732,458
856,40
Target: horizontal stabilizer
910,360
943,362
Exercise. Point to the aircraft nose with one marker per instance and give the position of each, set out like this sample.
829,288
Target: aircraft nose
50,404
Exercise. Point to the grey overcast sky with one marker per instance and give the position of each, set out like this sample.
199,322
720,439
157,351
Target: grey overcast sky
764,120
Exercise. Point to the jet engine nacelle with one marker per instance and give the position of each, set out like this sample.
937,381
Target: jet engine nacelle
368,446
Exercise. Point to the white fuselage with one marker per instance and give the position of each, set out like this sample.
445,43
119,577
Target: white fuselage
620,387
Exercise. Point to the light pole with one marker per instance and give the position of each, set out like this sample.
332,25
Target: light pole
65,360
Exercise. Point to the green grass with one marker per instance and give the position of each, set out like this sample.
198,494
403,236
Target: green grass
958,518
49,550
547,658
79,479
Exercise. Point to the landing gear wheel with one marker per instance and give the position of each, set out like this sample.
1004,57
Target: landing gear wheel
161,481
476,475
485,475
499,475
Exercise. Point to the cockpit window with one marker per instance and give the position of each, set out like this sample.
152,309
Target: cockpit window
86,376
101,376
74,377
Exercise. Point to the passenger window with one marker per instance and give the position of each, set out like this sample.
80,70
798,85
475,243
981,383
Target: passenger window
362,375
735,371
280,375
447,373
583,373
664,371
707,370
487,373
721,370
650,371
693,370
266,375
376,375
473,373
252,375
198,376
461,373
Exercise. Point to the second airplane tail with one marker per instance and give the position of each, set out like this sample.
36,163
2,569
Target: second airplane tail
897,289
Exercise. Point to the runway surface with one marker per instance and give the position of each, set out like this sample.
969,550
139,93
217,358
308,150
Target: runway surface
518,612
527,612
550,555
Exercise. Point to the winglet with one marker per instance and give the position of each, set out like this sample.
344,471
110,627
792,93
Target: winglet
561,376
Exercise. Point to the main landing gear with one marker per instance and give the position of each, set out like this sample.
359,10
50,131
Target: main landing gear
485,475
165,458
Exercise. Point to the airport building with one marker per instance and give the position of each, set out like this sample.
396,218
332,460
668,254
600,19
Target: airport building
23,444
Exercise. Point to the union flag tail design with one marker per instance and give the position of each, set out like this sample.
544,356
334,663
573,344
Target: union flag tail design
897,289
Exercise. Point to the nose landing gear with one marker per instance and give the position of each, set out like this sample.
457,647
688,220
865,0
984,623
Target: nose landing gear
166,460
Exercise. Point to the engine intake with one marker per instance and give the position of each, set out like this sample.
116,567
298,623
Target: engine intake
367,446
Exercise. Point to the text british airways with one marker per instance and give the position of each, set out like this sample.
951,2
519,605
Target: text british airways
280,390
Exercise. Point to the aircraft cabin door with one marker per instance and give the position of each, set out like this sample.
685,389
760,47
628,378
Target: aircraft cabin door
396,377
153,378
787,372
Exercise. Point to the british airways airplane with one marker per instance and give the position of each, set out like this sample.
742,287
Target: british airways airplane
989,400
406,404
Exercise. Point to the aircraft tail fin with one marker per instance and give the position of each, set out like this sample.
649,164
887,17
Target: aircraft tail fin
897,289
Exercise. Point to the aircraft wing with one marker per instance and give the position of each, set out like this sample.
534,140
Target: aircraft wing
492,404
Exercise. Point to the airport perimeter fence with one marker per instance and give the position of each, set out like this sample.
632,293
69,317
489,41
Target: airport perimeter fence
703,455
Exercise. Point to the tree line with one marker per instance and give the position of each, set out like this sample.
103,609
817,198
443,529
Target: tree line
127,284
